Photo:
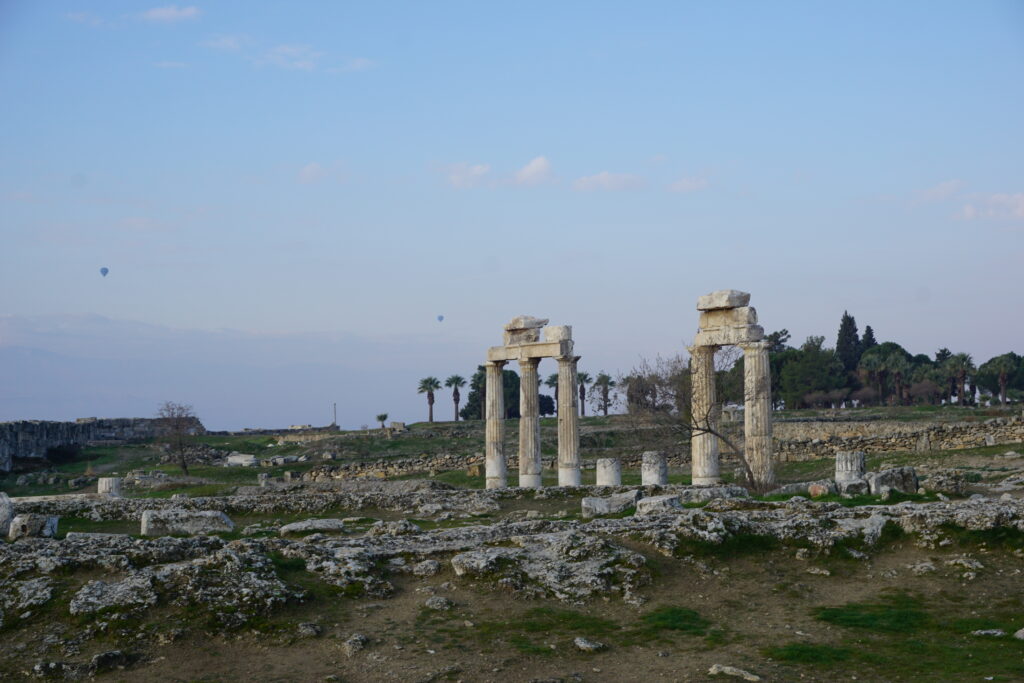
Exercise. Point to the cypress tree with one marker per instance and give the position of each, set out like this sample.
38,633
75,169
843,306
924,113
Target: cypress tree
868,340
848,343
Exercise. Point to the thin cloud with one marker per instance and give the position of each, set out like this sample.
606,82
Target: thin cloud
688,184
293,57
997,206
464,175
227,43
536,172
311,173
607,182
171,14
940,192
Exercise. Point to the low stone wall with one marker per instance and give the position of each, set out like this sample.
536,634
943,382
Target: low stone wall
809,440
32,438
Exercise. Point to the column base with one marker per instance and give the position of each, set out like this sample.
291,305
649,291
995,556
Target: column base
497,482
529,481
569,476
706,481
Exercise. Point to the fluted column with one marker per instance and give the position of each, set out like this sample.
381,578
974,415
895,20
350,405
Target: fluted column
704,404
494,456
757,413
529,424
568,423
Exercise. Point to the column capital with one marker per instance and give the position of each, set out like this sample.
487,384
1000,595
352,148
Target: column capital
495,363
702,348
527,362
753,346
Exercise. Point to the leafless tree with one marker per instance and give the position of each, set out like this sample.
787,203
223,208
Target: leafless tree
176,420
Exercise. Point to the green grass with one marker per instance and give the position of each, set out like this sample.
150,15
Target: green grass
675,619
808,653
895,613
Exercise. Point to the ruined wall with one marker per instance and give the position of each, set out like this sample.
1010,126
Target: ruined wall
31,438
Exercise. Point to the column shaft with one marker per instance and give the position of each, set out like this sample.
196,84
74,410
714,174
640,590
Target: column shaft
568,423
529,424
494,435
757,414
704,404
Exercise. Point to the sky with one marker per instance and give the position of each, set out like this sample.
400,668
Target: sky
288,195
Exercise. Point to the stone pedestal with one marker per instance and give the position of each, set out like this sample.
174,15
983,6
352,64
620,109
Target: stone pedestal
109,486
529,424
263,478
568,423
654,469
609,472
705,467
850,466
494,457
757,414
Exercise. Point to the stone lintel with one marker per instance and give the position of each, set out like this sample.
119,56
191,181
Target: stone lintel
729,336
530,350
727,317
723,298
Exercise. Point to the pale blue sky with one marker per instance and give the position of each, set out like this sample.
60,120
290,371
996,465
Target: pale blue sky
344,173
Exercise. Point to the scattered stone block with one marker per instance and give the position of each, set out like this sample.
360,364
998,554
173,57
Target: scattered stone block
242,460
310,630
818,490
724,670
354,643
32,526
439,603
312,525
903,479
704,493
658,505
109,486
584,645
595,506
184,522
426,568
96,596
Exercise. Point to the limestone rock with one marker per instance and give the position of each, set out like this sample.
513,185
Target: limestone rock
95,596
354,643
706,493
32,526
184,522
310,630
717,669
610,505
946,481
483,561
426,568
439,603
584,645
397,528
854,487
723,298
312,525
903,479
658,505
6,514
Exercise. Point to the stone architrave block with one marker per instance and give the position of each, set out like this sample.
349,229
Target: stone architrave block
729,336
723,298
609,472
728,317
653,469
184,522
609,505
6,514
523,329
241,460
556,333
32,526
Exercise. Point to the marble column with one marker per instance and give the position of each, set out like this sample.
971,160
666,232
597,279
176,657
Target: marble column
757,413
568,423
494,436
529,424
704,404
609,472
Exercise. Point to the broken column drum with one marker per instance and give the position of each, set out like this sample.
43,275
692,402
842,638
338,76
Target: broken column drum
727,320
609,472
850,466
653,469
522,343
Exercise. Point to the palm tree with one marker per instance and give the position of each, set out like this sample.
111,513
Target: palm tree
428,385
382,418
897,364
873,367
604,383
961,364
454,382
583,379
552,383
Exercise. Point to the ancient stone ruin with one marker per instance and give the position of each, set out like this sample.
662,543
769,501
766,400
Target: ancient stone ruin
727,320
523,344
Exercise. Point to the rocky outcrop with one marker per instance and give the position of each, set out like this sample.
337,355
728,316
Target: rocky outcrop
184,522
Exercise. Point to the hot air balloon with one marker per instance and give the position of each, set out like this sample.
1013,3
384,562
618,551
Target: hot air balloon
440,318
104,271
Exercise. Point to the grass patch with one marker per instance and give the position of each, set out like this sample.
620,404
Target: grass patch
678,619
808,653
895,613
